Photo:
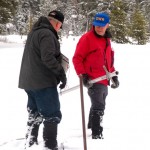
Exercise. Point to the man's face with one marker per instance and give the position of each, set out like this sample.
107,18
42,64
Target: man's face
101,30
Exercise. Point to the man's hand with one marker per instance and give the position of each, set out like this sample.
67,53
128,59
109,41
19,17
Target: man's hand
63,79
86,79
115,80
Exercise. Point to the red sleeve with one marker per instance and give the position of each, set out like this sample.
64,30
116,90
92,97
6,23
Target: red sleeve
80,54
112,59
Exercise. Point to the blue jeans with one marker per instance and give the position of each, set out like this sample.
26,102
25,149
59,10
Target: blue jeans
45,102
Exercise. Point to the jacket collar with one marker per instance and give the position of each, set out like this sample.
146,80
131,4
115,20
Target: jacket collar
43,22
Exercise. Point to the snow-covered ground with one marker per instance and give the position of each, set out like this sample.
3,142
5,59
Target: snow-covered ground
127,115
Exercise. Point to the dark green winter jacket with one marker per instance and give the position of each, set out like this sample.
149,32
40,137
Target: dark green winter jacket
41,62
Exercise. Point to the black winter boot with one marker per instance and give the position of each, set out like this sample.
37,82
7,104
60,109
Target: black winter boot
33,123
96,128
34,135
50,135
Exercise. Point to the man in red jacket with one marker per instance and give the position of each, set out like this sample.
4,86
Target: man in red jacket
93,52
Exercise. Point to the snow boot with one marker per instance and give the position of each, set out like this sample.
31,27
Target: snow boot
96,128
50,135
34,135
33,123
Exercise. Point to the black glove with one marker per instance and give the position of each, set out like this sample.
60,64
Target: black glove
86,79
115,80
63,79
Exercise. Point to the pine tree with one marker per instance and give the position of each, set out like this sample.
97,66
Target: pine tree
118,22
7,11
139,27
146,12
46,6
27,13
78,14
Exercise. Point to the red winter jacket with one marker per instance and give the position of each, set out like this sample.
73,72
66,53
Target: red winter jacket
92,54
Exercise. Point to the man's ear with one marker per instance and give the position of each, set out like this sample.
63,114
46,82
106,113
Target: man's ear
58,25
107,25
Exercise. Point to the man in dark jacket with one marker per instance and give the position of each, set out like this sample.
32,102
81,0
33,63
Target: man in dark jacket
41,72
94,53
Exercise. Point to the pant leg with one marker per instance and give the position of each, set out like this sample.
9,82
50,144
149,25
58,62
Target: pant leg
31,104
48,104
49,107
34,120
97,93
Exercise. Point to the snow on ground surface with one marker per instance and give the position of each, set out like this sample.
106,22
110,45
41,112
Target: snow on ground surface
127,115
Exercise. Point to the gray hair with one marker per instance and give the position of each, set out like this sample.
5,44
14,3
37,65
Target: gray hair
52,18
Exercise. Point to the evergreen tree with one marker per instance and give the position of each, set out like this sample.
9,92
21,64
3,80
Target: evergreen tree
88,9
78,14
7,11
146,12
27,13
118,25
138,27
46,6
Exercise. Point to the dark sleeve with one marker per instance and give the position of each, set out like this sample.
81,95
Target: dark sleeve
49,48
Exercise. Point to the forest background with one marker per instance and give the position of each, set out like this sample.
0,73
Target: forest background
130,19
